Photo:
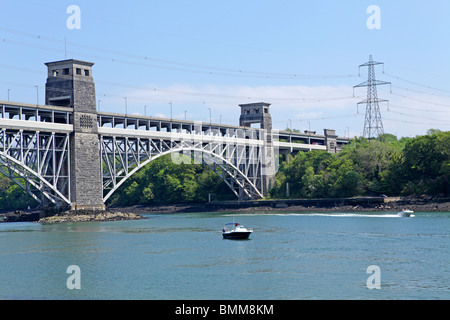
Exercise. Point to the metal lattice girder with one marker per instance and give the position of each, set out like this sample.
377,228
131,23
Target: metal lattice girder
38,162
238,165
36,150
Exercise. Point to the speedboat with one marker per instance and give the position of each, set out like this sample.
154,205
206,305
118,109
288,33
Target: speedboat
236,231
405,213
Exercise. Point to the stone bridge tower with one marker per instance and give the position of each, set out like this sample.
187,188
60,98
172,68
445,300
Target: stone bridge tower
70,84
259,113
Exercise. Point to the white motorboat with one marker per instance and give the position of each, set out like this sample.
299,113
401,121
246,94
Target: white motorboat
236,231
405,213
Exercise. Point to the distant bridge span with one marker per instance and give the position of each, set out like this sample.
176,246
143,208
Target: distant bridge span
66,153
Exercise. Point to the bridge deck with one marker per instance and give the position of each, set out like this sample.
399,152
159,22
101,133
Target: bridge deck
31,117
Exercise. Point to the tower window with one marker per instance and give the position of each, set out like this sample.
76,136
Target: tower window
86,73
79,71
66,71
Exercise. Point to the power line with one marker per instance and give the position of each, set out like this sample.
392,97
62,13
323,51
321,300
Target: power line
145,59
416,109
422,92
225,96
18,84
422,101
416,83
192,93
419,117
22,69
173,65
414,122
321,118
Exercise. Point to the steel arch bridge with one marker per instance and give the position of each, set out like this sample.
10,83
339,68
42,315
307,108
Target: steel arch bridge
237,165
66,153
39,162
36,150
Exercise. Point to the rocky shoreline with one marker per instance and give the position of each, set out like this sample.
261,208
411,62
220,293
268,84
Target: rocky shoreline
90,217
300,205
318,205
68,216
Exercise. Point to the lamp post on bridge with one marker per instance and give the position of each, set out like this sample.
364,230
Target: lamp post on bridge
309,134
126,105
37,95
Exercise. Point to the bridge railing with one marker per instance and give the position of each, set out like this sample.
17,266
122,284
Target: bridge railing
174,126
38,113
23,116
291,141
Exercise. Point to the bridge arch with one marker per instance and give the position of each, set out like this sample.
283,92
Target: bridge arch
229,173
27,177
34,185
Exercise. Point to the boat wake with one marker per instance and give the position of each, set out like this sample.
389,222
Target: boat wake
351,215
343,215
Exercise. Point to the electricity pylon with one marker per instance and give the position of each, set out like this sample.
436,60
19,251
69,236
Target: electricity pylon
373,124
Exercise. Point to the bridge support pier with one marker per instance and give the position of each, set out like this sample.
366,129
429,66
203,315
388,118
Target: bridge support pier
259,113
70,84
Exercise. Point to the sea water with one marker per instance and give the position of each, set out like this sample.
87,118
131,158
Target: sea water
183,256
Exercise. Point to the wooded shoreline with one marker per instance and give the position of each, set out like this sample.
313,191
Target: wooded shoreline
360,204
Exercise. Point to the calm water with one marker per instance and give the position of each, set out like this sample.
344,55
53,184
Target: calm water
183,256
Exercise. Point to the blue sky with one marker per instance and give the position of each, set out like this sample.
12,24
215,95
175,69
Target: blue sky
300,56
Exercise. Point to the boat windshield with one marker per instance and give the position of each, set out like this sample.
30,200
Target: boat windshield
231,226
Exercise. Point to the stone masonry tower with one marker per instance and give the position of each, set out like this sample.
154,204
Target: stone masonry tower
330,140
256,113
70,84
259,113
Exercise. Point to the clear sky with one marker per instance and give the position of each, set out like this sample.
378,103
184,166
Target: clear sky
300,56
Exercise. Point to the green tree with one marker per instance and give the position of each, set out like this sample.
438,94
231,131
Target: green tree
147,194
132,193
16,198
372,160
308,182
426,162
162,181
